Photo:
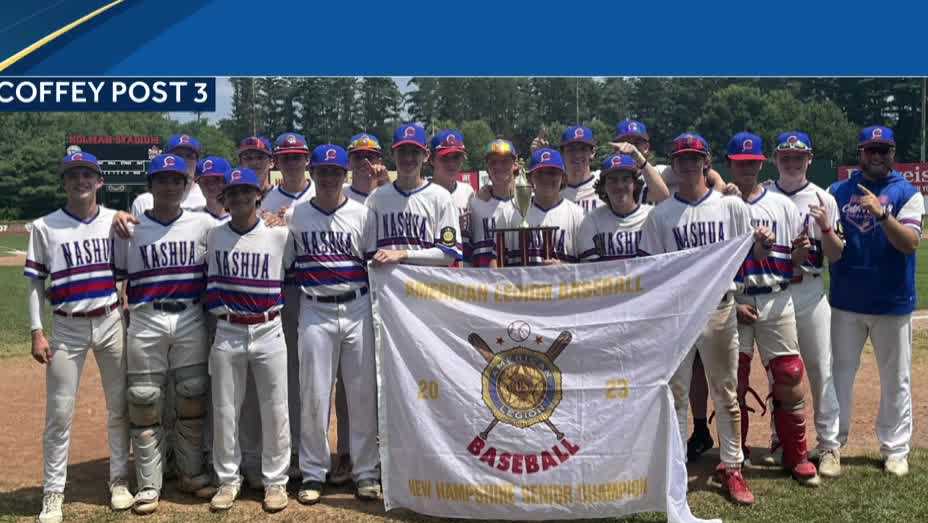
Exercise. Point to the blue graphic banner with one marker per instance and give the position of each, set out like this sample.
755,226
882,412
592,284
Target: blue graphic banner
108,94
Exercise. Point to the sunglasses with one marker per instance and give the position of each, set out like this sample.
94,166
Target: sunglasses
878,150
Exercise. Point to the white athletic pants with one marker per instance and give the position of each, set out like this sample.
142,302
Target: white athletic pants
718,349
813,323
261,349
71,340
891,336
333,335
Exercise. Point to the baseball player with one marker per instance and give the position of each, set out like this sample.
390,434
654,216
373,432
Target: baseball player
417,222
500,156
766,314
696,216
188,148
612,231
211,172
578,148
254,152
365,158
292,155
246,261
549,208
74,246
447,156
333,238
635,133
819,212
164,262
873,290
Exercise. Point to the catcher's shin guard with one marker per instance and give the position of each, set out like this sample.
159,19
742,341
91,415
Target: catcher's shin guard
789,418
744,378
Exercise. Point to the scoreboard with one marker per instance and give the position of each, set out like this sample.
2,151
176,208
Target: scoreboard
124,161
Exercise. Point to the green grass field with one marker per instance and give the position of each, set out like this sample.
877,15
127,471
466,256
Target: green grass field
13,243
14,316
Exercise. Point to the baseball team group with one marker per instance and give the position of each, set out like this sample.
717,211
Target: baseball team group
224,312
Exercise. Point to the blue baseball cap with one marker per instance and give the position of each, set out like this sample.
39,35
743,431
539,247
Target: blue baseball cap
184,140
689,143
619,162
746,146
364,142
80,159
545,157
329,154
410,133
628,128
255,143
241,176
578,133
794,141
291,143
448,141
167,163
213,166
501,147
876,134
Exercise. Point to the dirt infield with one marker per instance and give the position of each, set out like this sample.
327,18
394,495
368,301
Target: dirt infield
22,412
13,261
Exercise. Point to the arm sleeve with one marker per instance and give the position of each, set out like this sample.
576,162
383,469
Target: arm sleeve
36,292
586,241
911,213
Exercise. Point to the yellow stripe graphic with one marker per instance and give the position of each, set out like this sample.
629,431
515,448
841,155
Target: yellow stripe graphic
51,36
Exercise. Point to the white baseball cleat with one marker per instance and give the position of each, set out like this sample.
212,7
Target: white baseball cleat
829,464
275,498
146,501
310,492
369,490
51,507
775,457
120,497
897,466
225,497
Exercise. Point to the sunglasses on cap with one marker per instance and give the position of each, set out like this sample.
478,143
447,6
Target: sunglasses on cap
795,145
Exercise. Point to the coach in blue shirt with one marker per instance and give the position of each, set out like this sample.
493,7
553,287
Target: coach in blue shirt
873,290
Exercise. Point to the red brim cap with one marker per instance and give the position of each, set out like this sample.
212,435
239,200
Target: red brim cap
413,142
293,150
746,157
445,151
80,163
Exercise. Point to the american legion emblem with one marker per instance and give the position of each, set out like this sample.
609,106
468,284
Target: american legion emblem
521,387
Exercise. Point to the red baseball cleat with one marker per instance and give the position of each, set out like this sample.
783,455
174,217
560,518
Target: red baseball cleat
734,484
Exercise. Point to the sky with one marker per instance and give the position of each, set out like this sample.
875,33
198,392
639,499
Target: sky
224,100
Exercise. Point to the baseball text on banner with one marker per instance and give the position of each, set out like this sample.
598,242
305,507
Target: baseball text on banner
540,392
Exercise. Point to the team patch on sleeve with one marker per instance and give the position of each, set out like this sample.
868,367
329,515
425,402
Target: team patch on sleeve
449,237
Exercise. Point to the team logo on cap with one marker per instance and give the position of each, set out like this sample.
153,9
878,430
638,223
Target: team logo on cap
169,161
792,139
236,175
450,140
330,154
545,157
877,133
747,145
409,132
578,132
632,126
291,139
184,139
77,157
616,161
207,165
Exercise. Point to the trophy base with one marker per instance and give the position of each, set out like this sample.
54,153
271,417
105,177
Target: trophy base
524,233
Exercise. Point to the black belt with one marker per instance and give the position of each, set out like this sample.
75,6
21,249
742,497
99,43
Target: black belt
169,306
93,313
344,297
754,291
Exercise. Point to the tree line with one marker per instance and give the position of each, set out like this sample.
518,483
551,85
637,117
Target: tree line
831,110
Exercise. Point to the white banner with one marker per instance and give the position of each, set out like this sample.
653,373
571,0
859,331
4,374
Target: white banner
540,392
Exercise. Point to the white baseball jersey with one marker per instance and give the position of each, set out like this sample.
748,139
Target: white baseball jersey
677,224
424,218
218,219
246,270
566,216
671,180
164,261
277,198
484,217
583,194
780,216
461,195
803,198
606,235
331,249
354,194
77,254
194,201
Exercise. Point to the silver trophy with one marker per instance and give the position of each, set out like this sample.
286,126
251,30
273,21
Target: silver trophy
523,198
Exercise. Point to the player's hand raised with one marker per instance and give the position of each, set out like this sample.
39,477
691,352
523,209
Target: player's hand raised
731,190
819,213
41,352
123,224
870,202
